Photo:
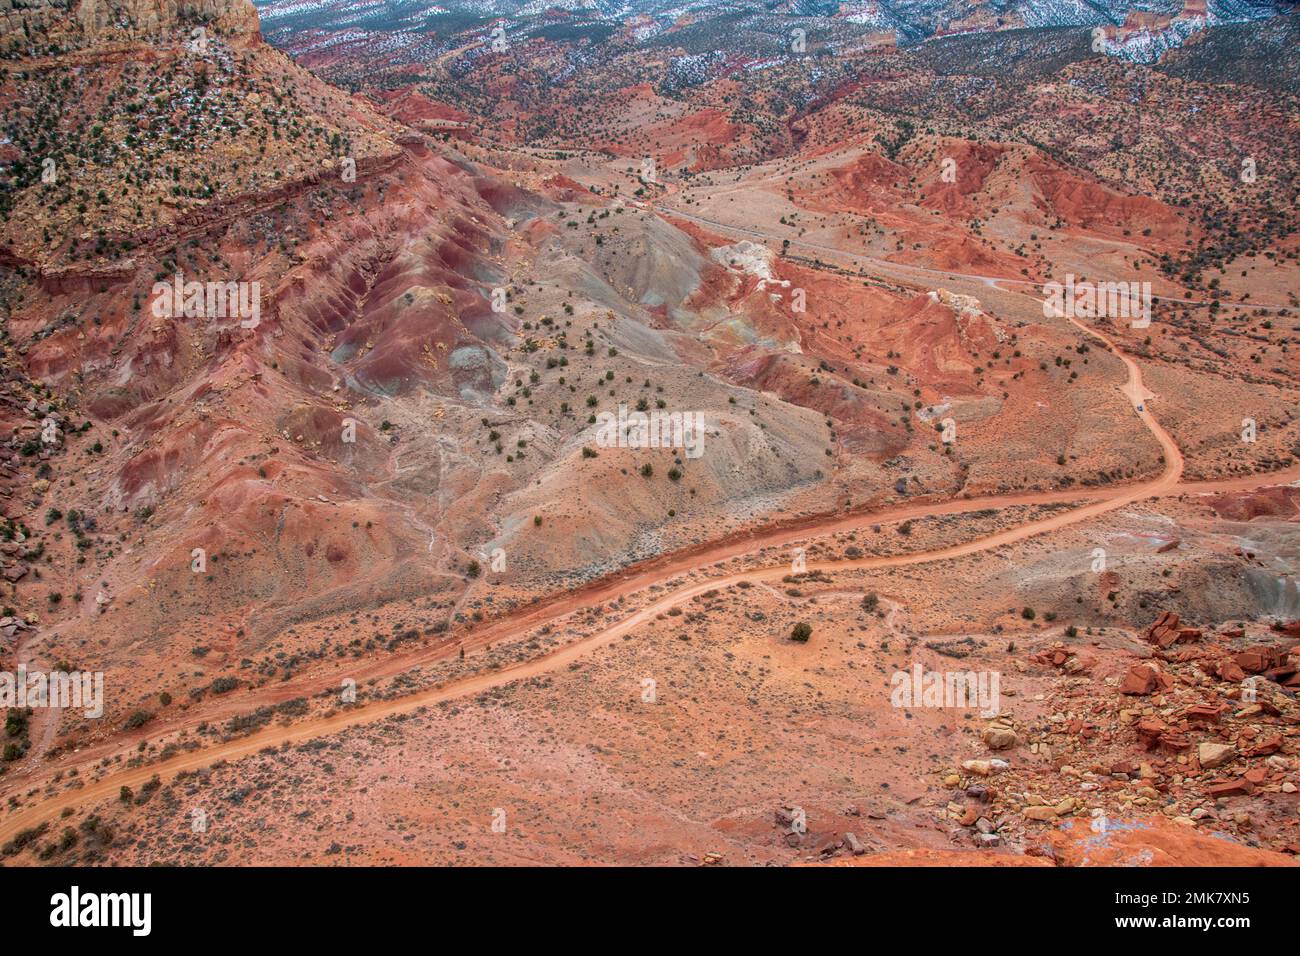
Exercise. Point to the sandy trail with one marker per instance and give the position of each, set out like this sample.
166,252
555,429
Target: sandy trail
634,581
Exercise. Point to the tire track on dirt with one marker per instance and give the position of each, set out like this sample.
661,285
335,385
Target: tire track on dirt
660,571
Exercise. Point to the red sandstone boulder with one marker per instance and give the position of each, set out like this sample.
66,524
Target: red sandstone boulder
1257,659
1143,679
1164,632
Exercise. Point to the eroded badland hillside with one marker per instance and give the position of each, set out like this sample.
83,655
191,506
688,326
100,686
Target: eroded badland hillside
649,436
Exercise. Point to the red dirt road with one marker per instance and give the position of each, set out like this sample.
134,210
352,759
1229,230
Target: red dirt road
655,572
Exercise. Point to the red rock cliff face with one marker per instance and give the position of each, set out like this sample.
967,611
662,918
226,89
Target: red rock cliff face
95,22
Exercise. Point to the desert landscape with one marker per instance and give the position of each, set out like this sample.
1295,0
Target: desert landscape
633,434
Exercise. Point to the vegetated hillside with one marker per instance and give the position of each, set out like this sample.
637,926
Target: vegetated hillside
119,136
1265,54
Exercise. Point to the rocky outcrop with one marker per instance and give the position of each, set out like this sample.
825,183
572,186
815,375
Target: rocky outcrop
32,26
1165,632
